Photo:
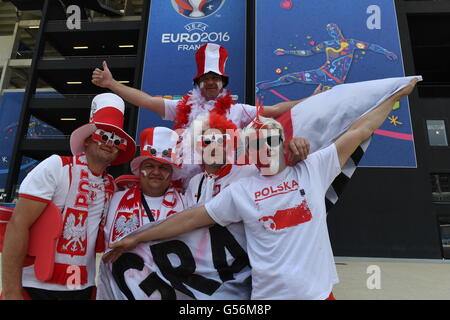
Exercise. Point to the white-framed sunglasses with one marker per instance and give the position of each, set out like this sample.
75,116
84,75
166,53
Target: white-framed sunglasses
110,139
270,141
206,139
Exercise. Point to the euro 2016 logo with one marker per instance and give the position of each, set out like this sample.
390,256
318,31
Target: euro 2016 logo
197,9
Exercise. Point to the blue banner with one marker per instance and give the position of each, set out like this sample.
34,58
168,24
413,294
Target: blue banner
176,29
10,106
304,43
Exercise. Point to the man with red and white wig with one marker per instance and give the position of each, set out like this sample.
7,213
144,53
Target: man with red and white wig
79,189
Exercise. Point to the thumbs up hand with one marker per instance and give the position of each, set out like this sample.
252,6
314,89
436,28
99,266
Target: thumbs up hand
102,78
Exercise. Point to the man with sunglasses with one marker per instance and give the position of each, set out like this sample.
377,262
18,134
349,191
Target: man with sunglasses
218,147
283,210
216,140
81,189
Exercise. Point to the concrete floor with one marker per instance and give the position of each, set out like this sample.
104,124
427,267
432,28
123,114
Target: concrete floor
391,279
399,279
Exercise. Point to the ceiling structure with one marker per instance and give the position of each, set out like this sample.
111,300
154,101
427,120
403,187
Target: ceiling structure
16,19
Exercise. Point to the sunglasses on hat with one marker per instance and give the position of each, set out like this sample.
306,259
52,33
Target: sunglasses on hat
154,152
109,139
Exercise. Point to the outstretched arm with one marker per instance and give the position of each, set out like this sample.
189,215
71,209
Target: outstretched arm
183,222
278,109
302,53
318,48
365,126
375,48
103,78
378,49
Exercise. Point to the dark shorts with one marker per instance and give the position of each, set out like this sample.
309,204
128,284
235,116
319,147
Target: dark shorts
42,294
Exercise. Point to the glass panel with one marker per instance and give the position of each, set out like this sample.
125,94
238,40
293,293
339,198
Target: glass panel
444,224
440,187
437,135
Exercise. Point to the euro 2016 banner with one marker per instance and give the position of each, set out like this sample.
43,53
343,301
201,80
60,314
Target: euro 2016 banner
301,44
176,29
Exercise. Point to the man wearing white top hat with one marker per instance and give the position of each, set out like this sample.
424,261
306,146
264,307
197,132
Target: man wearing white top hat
208,94
80,189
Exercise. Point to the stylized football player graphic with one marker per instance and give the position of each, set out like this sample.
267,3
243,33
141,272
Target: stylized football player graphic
339,53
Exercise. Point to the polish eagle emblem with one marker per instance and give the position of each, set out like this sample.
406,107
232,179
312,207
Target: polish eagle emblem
125,226
74,233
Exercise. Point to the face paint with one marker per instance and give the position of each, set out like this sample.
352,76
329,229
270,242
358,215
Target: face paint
155,169
210,86
264,147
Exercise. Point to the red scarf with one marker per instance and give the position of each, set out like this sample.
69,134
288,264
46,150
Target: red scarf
129,214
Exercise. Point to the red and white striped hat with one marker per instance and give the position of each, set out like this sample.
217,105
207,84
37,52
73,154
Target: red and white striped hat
211,57
158,143
107,113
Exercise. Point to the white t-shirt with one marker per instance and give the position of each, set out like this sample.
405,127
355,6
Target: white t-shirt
154,204
285,223
49,181
210,187
207,263
240,114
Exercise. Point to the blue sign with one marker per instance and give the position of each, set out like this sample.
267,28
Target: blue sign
302,44
10,106
176,29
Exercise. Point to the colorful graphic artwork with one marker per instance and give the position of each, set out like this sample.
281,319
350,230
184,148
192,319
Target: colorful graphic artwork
339,53
10,104
302,44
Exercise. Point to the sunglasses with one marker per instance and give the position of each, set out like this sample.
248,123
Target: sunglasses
154,152
207,139
271,141
109,139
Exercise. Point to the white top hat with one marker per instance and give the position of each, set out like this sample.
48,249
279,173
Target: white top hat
211,57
